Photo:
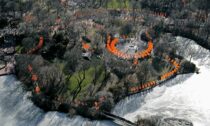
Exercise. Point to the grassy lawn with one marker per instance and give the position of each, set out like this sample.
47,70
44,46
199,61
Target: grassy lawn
116,4
89,76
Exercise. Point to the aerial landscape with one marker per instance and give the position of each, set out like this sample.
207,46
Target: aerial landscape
104,62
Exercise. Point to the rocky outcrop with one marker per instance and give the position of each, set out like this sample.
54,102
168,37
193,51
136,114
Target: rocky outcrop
187,67
160,121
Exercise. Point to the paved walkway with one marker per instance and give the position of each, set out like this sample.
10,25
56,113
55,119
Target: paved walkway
112,47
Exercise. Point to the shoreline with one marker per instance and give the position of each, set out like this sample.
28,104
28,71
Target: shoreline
67,106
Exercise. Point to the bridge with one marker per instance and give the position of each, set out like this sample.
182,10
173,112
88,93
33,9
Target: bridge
118,119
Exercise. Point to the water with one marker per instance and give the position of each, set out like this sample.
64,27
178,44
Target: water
16,109
186,96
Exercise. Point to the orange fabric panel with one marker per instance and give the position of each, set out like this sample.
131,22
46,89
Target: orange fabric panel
85,46
37,90
34,77
30,68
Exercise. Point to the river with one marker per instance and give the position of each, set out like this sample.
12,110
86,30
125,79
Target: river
185,97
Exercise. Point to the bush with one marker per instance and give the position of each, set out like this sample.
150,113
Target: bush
127,29
188,67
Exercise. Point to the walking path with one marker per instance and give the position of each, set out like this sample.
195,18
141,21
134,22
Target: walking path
34,77
111,47
163,78
39,46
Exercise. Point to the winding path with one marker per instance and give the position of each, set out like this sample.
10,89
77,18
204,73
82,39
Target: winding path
163,78
34,76
34,79
39,46
111,47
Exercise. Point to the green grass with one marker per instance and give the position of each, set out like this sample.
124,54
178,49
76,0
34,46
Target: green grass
18,48
116,4
89,76
101,77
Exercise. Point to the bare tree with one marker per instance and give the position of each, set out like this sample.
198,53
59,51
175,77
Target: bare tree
80,79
